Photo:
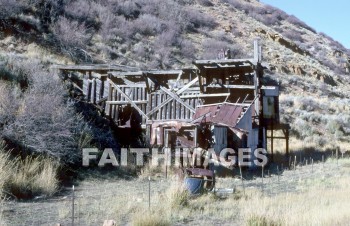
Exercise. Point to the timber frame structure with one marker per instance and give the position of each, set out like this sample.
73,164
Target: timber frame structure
170,98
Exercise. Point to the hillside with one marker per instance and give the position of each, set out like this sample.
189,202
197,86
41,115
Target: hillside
38,117
42,129
311,67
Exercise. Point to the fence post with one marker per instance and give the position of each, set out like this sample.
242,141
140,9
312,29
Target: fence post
262,179
337,154
149,192
290,163
322,161
240,170
73,205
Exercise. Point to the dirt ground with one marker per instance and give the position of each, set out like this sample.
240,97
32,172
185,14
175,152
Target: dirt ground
98,199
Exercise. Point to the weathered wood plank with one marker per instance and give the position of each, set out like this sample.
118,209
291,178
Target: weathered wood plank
252,87
227,61
116,102
95,67
203,95
178,99
89,90
157,108
94,93
129,100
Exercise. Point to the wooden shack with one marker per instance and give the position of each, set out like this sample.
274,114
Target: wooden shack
174,106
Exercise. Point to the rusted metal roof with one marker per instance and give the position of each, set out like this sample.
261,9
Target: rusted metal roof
222,114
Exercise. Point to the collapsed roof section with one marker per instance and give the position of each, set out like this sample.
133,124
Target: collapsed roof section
223,114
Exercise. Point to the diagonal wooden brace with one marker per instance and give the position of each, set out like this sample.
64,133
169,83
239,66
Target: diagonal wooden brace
171,98
128,99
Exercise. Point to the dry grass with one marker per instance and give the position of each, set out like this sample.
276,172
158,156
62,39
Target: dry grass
6,166
169,203
306,196
261,221
159,170
317,201
150,218
177,195
27,178
316,206
33,176
321,201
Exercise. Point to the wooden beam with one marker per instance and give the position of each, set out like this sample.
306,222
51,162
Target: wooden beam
233,104
128,99
95,67
277,137
178,99
238,66
125,74
94,94
148,122
89,90
252,87
135,85
169,99
102,88
78,87
227,61
108,108
159,107
243,67
187,86
204,95
126,102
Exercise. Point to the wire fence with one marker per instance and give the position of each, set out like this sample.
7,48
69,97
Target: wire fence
94,202
88,204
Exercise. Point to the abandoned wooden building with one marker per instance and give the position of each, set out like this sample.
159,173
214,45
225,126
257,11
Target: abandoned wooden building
179,107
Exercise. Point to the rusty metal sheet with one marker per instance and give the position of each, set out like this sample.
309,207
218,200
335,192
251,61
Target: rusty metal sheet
233,117
200,172
227,114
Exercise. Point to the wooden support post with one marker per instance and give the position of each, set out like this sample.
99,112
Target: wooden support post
94,94
287,142
89,90
102,87
166,145
170,109
148,131
149,104
337,154
110,98
199,77
195,137
158,98
174,110
271,139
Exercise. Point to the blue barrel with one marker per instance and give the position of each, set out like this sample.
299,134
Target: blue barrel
194,185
